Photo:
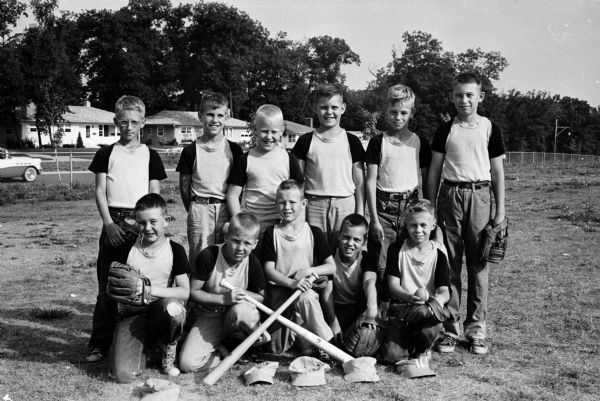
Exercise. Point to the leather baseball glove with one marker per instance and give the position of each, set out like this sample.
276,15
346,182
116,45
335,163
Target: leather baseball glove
127,285
430,312
495,239
364,337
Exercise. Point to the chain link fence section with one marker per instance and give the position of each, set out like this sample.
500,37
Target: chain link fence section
543,158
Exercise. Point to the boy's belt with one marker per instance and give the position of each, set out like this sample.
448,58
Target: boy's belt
206,201
395,196
121,212
468,185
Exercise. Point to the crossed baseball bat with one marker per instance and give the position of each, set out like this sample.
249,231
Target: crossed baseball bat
310,337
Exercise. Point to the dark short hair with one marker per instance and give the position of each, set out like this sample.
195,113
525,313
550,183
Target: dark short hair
215,99
467,78
290,184
245,222
326,91
150,201
355,220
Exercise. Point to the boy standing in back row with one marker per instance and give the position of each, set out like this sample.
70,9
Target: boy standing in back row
331,160
203,169
125,171
396,160
468,156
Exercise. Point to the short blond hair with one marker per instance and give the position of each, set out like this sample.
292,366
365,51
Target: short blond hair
401,93
128,102
268,110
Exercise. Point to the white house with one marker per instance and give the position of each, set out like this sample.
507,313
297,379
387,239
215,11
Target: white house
96,127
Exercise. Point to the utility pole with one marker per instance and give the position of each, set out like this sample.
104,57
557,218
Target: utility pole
557,132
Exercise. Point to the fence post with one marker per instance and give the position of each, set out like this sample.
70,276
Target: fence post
522,157
57,167
543,157
71,170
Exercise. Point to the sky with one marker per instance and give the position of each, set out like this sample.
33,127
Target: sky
550,45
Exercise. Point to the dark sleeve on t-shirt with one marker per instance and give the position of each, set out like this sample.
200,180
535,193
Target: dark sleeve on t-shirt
236,149
495,146
238,175
267,249
302,146
100,161
321,250
366,263
424,154
205,263
391,266
442,271
181,265
156,167
256,275
356,148
440,137
373,153
295,172
186,160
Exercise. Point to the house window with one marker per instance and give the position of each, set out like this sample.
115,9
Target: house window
87,131
64,127
186,130
32,129
160,130
101,130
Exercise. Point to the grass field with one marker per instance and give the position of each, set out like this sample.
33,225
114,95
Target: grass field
544,307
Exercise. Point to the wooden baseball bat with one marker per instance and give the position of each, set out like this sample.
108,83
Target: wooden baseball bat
237,353
309,336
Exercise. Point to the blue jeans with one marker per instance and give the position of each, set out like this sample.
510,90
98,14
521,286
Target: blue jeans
327,213
463,214
205,226
163,321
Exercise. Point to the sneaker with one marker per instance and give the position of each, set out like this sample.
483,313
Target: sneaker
94,355
445,344
478,346
168,360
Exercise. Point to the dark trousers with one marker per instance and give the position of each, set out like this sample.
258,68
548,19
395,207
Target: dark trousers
162,321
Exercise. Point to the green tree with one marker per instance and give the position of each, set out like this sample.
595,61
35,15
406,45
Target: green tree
10,11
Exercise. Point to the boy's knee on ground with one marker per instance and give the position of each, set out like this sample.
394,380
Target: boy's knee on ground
191,360
176,310
242,316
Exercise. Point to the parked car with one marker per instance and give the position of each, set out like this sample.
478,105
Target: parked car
25,167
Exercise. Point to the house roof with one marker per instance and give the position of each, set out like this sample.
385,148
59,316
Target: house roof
296,128
78,114
176,117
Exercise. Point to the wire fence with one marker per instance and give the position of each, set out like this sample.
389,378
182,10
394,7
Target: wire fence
69,167
543,158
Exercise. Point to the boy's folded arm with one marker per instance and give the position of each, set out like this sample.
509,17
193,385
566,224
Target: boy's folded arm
180,291
277,277
400,293
198,295
154,187
327,268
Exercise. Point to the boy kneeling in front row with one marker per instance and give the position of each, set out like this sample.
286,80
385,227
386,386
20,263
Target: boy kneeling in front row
165,264
417,274
221,312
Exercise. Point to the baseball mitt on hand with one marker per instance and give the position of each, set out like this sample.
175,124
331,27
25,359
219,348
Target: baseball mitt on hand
430,312
127,285
495,239
364,337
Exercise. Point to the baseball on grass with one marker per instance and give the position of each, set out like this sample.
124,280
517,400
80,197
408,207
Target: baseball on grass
422,293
